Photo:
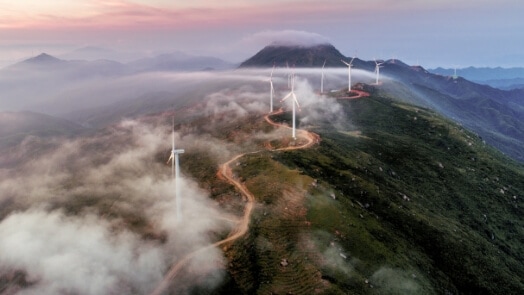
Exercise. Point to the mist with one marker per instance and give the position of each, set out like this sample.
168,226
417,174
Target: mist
95,214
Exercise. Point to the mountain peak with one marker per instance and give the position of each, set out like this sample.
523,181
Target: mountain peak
42,58
296,54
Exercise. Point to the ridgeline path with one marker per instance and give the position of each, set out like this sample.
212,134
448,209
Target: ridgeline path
241,229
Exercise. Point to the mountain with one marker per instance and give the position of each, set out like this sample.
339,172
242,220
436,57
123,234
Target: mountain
42,59
298,56
397,200
482,73
179,61
48,64
492,113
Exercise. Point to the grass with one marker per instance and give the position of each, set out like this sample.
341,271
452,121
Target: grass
422,206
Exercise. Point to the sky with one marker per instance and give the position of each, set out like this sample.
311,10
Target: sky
427,32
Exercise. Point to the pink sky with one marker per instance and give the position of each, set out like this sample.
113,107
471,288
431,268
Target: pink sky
406,29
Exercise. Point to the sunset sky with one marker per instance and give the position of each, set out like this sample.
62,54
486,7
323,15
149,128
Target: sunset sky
432,32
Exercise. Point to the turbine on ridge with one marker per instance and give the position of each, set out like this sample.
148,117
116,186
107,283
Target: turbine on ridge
175,173
377,69
271,90
295,101
350,64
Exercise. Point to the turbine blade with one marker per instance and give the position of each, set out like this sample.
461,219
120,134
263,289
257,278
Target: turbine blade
287,96
345,63
296,100
170,158
351,62
324,64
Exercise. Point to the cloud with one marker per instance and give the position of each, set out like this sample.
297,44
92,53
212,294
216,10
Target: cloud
285,37
65,254
96,215
394,281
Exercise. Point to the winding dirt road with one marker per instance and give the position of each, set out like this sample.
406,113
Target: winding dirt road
226,172
359,94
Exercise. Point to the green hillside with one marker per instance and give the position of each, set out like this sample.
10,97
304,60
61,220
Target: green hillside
399,201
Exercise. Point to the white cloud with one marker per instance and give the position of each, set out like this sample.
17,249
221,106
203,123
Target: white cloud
285,37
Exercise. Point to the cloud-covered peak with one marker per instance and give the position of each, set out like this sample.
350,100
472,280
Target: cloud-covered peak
286,38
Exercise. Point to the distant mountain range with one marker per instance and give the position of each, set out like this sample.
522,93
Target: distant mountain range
176,61
503,78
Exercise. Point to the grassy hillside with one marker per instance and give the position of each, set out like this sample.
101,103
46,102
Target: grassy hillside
400,202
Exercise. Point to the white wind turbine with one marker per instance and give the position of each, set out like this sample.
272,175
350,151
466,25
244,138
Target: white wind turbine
322,79
455,72
175,172
271,90
350,64
377,69
295,101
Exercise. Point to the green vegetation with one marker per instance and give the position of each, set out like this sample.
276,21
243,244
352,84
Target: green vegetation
402,202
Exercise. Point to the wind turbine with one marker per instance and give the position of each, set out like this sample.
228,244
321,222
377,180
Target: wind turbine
271,91
350,64
175,173
322,79
295,101
377,69
455,73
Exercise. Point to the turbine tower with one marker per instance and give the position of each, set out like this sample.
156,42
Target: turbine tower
271,90
175,173
295,101
322,79
377,69
350,64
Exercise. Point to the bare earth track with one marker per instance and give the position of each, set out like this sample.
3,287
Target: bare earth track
225,171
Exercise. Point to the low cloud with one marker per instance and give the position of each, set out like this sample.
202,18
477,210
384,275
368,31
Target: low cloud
66,254
285,37
394,281
97,215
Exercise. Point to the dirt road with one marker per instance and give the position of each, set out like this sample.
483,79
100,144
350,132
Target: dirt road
226,172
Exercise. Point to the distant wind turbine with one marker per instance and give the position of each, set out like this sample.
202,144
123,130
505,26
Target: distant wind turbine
377,69
271,90
322,78
350,64
295,101
175,173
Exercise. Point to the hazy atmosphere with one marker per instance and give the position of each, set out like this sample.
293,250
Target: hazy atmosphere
432,33
261,147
